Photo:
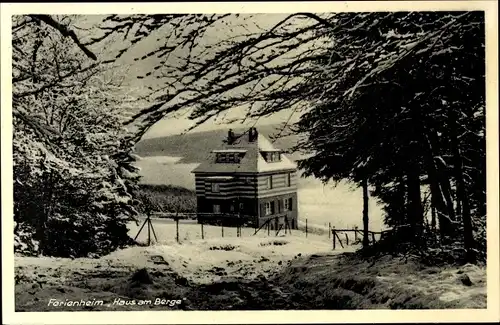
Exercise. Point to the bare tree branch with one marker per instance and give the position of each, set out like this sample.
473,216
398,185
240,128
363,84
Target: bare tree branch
65,32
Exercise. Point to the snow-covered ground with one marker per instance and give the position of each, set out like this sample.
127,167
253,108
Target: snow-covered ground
200,260
260,271
247,256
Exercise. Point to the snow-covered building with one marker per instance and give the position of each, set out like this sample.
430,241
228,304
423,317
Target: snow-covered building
249,178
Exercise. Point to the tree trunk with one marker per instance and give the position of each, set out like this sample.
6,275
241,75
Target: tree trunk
433,218
437,203
448,196
439,186
482,206
461,190
42,223
364,185
458,210
48,207
415,210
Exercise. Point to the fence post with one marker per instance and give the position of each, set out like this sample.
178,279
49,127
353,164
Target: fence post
333,236
153,230
347,239
222,229
177,229
202,232
149,230
340,241
373,237
356,233
268,228
306,227
329,229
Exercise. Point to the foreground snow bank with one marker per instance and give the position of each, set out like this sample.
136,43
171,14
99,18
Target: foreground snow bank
249,272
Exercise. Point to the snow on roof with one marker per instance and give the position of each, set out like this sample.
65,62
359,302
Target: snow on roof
265,144
229,151
284,163
252,162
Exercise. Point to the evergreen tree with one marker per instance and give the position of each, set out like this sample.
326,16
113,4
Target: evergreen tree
72,164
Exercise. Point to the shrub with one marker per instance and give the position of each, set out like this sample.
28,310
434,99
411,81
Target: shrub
67,210
227,247
85,235
276,242
24,243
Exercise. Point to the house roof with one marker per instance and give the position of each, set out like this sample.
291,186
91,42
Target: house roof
252,161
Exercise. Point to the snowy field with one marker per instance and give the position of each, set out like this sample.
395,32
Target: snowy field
195,268
318,203
204,260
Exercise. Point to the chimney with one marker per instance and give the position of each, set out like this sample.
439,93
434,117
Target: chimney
230,136
252,134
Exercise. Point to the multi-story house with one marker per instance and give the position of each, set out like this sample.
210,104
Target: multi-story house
247,177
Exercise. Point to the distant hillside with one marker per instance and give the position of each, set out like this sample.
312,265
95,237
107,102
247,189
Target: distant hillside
194,147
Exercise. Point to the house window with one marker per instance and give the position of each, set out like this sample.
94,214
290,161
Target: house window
215,188
221,158
229,157
268,208
231,208
288,179
286,205
216,208
241,206
269,182
272,156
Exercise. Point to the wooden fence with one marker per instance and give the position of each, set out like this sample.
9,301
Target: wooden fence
336,235
238,222
339,237
267,225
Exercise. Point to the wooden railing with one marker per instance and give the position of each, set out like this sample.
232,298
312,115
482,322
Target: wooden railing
338,236
236,220
358,235
267,224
